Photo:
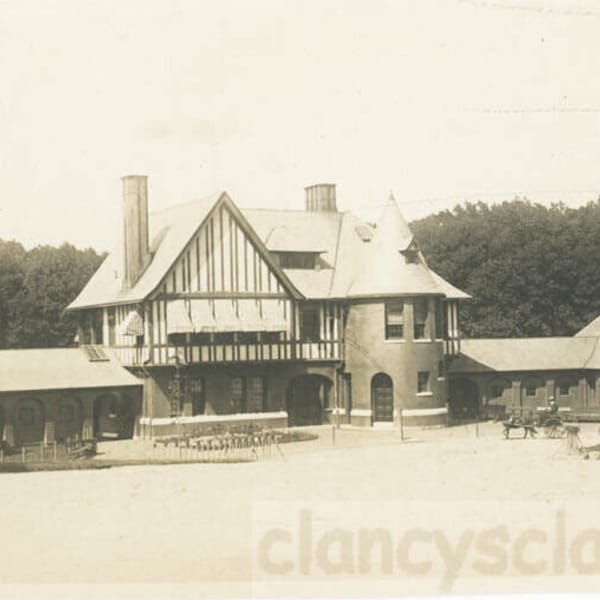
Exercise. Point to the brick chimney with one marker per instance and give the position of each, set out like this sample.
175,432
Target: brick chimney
321,198
136,252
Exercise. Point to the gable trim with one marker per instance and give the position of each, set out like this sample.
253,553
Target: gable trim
225,201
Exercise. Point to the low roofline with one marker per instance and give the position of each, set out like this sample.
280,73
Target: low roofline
65,389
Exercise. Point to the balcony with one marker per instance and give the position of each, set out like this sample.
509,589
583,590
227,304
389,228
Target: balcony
216,353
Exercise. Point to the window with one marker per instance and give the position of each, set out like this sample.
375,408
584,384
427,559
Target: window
270,337
224,337
111,326
564,389
310,324
196,389
248,394
176,339
237,395
422,382
96,326
297,260
420,310
394,320
411,254
531,390
439,321
247,337
255,394
200,339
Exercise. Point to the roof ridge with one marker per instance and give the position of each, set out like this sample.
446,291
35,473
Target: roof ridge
180,205
295,210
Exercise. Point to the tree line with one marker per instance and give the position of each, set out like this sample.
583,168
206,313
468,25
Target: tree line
531,270
35,287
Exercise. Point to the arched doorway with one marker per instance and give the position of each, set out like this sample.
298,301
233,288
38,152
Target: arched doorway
113,417
464,400
307,397
382,398
30,421
69,419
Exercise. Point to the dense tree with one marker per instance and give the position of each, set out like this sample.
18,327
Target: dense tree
35,288
532,270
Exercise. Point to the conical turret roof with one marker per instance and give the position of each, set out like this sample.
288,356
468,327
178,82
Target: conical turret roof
387,270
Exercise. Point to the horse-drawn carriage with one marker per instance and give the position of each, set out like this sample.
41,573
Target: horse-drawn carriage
552,423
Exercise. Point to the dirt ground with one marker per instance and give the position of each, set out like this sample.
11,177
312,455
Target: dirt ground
196,529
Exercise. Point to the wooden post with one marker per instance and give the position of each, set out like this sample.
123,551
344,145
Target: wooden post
42,451
23,453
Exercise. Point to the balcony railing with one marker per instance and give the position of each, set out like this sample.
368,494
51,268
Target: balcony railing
230,353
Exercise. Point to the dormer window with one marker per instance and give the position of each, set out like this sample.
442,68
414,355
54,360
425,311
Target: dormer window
297,260
411,254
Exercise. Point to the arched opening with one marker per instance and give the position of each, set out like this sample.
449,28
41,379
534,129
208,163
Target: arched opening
566,390
464,400
69,419
533,394
307,398
114,417
499,398
382,398
30,421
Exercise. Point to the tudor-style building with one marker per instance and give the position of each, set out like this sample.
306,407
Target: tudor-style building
283,316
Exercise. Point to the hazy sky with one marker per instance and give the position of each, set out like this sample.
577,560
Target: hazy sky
440,101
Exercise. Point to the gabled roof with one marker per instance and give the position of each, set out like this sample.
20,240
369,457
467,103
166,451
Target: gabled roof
355,259
591,329
527,354
170,231
60,369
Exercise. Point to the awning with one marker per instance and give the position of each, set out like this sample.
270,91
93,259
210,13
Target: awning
132,324
201,314
250,317
178,317
226,316
272,316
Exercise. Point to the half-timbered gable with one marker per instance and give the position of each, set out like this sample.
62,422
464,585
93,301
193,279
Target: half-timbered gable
314,314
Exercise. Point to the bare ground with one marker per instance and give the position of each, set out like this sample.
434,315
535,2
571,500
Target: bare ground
192,524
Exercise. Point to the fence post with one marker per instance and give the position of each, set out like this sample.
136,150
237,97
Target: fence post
42,451
55,451
23,453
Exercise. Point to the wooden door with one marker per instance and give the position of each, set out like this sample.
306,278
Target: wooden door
382,398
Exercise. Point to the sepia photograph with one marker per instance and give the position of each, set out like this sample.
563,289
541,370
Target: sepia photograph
299,298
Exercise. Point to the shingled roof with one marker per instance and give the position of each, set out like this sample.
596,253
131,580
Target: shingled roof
527,354
60,369
384,269
356,260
